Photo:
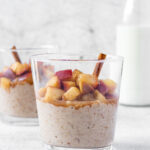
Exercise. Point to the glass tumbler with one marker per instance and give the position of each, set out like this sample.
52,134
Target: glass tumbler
77,101
17,98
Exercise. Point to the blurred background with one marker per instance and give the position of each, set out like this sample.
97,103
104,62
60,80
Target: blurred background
81,25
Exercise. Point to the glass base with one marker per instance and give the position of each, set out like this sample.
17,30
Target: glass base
18,121
133,105
48,147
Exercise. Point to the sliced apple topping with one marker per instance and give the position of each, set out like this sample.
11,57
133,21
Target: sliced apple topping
75,74
26,77
86,88
67,88
100,96
19,68
8,73
53,94
102,88
42,92
68,84
5,83
87,82
64,74
111,85
54,82
72,94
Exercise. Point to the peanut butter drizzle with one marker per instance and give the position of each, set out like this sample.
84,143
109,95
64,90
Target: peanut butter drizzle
13,84
99,65
80,104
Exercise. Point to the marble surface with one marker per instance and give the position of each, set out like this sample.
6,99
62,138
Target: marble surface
132,132
74,25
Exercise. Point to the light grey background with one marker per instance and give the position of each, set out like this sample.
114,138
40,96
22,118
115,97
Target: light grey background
74,25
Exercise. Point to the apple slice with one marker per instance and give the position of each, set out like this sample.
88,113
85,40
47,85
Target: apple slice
72,94
75,74
53,94
42,92
111,85
64,74
8,73
26,77
86,88
5,83
19,68
54,82
100,96
102,88
85,79
68,84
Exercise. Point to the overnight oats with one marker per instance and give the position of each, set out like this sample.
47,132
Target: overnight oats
17,98
76,107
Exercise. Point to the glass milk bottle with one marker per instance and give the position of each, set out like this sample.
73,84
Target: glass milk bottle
133,42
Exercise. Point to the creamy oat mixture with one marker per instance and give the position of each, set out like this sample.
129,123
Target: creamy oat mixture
19,101
84,127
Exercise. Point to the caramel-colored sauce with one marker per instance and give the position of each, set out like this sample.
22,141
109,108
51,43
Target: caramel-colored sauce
79,104
17,82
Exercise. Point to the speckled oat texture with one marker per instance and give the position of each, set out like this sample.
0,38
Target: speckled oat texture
19,101
86,127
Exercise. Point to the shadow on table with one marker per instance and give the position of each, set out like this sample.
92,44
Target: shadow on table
131,146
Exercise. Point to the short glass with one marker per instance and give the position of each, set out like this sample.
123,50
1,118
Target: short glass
17,98
77,102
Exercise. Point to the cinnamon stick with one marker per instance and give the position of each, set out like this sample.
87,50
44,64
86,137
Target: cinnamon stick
99,65
15,54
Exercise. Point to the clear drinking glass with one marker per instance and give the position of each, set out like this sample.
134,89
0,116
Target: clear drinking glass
17,98
77,106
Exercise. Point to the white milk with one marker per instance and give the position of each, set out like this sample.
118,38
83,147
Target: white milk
133,43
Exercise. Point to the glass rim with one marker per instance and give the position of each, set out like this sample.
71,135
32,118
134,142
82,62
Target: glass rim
26,49
44,57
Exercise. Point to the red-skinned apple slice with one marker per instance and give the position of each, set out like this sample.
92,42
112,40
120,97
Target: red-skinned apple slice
8,73
102,88
26,77
86,88
64,74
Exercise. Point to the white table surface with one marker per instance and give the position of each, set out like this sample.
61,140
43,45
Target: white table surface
132,132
